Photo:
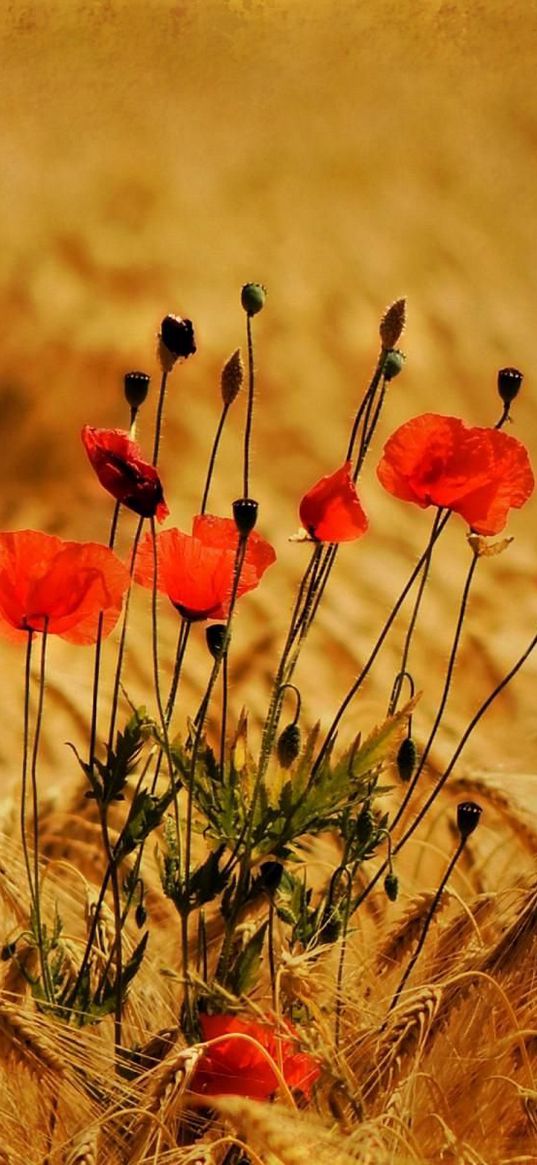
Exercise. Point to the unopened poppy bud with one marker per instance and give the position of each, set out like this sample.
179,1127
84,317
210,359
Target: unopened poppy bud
288,745
364,824
140,915
253,296
176,340
391,886
468,815
215,637
406,758
392,323
509,384
136,388
394,362
245,515
232,377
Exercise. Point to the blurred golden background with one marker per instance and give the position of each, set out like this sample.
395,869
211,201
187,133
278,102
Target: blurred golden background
156,155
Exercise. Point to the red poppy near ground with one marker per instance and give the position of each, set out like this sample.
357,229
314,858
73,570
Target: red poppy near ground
330,511
236,1067
118,463
47,582
476,472
196,570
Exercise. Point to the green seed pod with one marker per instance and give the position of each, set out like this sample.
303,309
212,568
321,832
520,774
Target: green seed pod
391,886
288,745
394,362
253,296
406,758
232,378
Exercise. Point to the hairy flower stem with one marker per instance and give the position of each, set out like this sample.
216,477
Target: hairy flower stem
156,680
98,648
158,419
118,944
445,693
249,408
426,925
448,771
223,725
212,459
45,972
365,405
239,562
368,665
396,691
24,776
123,637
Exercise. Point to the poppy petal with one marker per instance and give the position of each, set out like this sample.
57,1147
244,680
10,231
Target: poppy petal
330,511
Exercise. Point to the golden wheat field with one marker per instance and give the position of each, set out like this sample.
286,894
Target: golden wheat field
156,156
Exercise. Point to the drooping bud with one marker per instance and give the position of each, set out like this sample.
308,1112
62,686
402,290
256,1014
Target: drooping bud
406,758
176,341
245,515
391,886
394,362
136,388
215,637
140,915
509,384
232,377
253,296
392,323
288,745
468,815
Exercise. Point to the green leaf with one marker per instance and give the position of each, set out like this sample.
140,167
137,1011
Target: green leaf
245,970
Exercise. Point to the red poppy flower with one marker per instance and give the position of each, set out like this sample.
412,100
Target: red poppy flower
478,473
118,463
45,581
196,571
331,511
235,1067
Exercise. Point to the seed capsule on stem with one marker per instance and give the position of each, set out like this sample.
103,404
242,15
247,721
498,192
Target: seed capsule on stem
468,817
509,384
245,515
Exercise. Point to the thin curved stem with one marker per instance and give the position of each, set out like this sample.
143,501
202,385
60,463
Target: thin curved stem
158,419
45,973
250,407
426,925
123,638
25,754
98,650
353,690
448,771
212,459
403,670
445,693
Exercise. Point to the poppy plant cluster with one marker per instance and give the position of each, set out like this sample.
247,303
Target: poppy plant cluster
330,511
240,1067
478,473
49,584
118,463
196,570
